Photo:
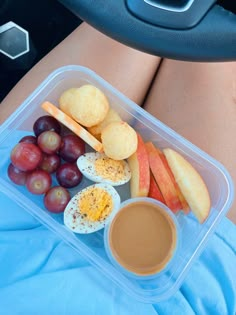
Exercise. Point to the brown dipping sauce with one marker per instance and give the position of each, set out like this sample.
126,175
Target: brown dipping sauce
142,238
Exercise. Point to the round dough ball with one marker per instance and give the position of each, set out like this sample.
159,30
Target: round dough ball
87,104
119,140
66,99
111,116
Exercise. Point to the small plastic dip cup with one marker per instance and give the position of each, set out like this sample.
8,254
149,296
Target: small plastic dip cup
142,237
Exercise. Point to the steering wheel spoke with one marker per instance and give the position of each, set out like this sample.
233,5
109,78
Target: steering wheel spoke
185,30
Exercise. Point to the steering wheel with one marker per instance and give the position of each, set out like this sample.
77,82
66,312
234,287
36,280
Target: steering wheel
190,30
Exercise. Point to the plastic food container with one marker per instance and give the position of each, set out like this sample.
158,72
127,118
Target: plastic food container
91,246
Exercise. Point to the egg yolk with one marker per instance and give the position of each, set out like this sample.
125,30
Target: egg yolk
95,203
110,169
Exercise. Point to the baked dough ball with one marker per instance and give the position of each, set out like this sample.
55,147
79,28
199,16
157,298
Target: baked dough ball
111,116
119,140
87,105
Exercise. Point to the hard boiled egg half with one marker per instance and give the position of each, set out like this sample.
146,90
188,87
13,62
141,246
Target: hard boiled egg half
101,169
89,210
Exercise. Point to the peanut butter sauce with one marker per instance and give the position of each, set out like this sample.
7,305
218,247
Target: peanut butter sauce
142,238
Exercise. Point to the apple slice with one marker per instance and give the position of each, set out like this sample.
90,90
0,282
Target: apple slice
185,206
190,183
154,190
163,179
140,172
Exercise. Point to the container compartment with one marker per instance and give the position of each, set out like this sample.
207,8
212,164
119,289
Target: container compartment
91,246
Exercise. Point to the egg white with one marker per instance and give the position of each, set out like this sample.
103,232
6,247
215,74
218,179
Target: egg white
76,222
86,165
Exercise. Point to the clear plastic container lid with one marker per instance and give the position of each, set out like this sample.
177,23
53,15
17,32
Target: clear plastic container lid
91,246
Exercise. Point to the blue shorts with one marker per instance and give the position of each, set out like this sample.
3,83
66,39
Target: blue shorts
41,275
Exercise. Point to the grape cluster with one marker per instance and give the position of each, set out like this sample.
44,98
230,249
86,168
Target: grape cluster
36,157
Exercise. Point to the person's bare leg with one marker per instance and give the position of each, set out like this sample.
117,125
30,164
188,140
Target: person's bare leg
128,70
198,100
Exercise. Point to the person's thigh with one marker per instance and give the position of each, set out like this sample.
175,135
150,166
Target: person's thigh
198,100
129,70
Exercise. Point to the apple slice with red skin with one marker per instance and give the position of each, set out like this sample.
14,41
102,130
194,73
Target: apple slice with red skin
185,206
190,183
154,190
140,171
163,179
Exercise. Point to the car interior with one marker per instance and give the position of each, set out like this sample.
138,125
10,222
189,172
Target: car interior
49,22
202,33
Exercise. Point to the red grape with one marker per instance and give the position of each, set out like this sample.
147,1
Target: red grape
56,199
49,142
38,182
29,139
16,176
71,148
68,175
50,163
26,156
45,123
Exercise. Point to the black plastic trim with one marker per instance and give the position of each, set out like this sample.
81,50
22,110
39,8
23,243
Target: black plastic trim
171,17
212,39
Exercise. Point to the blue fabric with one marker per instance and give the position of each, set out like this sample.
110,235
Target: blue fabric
39,274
